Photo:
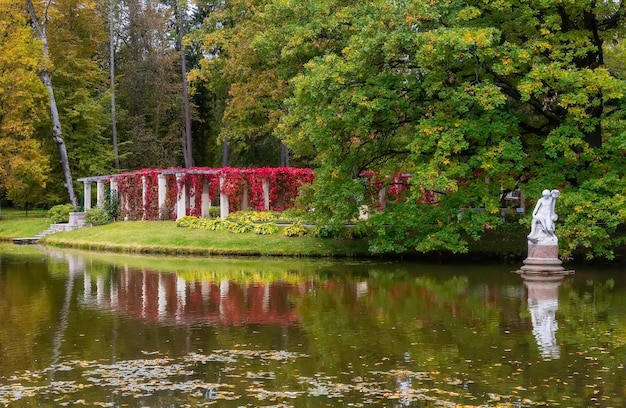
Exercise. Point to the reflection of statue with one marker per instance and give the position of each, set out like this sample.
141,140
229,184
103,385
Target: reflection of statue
542,228
543,302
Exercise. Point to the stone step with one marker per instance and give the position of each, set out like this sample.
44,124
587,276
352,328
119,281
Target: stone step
25,241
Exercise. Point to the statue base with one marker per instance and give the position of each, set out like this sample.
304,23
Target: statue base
543,263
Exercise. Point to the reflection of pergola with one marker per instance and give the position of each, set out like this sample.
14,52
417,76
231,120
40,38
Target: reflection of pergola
165,297
189,197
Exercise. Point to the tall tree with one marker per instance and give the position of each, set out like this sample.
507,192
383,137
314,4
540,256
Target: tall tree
40,25
469,98
150,91
112,43
181,8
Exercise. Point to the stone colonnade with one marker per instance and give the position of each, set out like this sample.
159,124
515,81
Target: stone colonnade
183,201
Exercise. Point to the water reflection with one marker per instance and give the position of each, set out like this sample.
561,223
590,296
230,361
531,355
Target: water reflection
543,302
343,334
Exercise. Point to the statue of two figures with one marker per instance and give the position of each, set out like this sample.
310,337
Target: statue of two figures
542,228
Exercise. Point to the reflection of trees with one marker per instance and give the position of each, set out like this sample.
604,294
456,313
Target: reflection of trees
466,332
396,319
26,313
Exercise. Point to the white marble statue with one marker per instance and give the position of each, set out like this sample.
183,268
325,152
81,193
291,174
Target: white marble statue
542,227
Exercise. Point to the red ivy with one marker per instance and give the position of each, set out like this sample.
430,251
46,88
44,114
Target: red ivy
284,184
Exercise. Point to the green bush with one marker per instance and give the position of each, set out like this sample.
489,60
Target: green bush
201,223
218,224
97,216
241,226
254,216
266,229
214,212
293,215
60,213
186,222
358,231
295,230
327,231
112,204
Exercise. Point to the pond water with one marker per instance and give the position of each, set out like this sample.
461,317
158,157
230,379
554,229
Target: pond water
92,329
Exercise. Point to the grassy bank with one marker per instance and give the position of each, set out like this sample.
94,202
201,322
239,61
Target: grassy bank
163,237
16,224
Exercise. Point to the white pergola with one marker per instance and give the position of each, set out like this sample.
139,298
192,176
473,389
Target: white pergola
182,201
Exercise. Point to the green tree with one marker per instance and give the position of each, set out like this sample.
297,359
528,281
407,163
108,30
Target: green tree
149,96
470,98
23,165
26,174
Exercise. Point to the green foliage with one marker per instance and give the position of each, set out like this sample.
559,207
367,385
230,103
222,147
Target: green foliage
358,231
266,229
60,213
186,222
241,226
214,212
253,216
218,224
328,231
111,204
295,230
97,216
293,215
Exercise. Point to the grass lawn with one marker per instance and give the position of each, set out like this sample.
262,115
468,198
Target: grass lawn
163,237
16,224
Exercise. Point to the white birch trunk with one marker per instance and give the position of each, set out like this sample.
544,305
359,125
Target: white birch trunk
44,75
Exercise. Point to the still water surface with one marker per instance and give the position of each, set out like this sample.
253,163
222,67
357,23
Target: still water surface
84,329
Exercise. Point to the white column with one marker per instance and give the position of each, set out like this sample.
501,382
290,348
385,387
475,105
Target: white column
144,197
87,198
266,194
181,203
100,193
223,200
162,183
206,198
114,190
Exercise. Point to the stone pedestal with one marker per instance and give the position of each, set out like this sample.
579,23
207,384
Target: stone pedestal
543,259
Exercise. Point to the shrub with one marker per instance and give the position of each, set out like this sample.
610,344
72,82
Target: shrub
60,213
201,223
295,230
266,229
97,216
218,224
293,215
254,216
214,212
358,231
327,231
186,222
241,226
112,204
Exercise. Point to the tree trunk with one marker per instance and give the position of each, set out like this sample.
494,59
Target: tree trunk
44,75
284,155
187,109
112,75
225,153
